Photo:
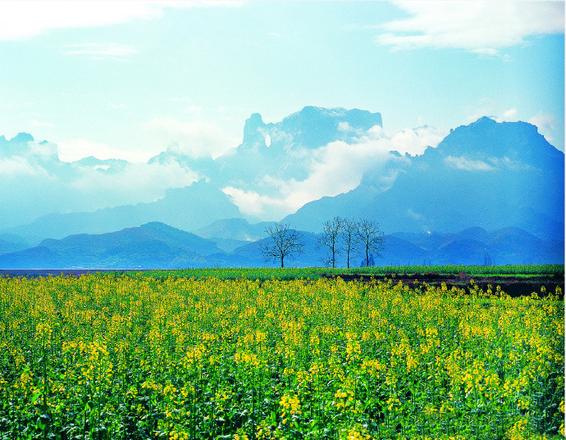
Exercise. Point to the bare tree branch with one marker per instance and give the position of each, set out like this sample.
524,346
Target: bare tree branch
331,230
349,238
370,238
282,242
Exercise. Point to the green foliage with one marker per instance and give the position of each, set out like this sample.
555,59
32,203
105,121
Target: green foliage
319,272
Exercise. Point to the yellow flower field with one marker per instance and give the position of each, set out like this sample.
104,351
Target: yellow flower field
107,356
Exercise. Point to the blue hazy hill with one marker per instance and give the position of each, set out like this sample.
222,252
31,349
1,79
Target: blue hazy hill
187,208
156,245
487,174
11,243
151,245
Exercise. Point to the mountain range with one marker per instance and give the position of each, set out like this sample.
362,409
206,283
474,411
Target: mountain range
69,193
488,192
188,208
151,245
487,174
156,245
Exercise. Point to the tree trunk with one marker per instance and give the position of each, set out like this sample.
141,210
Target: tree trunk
367,256
333,258
282,261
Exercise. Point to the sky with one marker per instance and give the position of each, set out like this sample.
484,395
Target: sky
127,79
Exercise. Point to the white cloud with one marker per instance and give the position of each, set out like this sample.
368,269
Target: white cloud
483,27
21,19
415,141
336,168
546,124
333,169
77,148
26,19
86,185
465,164
508,163
493,111
18,166
42,150
255,204
139,182
196,138
509,114
101,50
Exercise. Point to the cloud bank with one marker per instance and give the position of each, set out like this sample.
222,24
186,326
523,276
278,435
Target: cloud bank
194,138
35,182
74,149
331,170
465,164
22,19
483,27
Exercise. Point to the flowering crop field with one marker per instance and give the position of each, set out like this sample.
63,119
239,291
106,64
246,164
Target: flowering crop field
106,356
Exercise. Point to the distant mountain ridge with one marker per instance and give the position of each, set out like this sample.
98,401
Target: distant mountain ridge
156,245
186,208
11,243
311,127
152,245
488,174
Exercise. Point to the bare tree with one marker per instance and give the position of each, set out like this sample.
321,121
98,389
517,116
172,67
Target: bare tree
331,230
282,242
349,238
370,238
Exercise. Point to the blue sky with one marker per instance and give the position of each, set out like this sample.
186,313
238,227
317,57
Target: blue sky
125,79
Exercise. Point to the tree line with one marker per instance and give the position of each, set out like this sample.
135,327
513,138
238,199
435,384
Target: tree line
340,236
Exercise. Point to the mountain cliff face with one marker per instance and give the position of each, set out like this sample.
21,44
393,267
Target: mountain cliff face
485,174
281,150
312,127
